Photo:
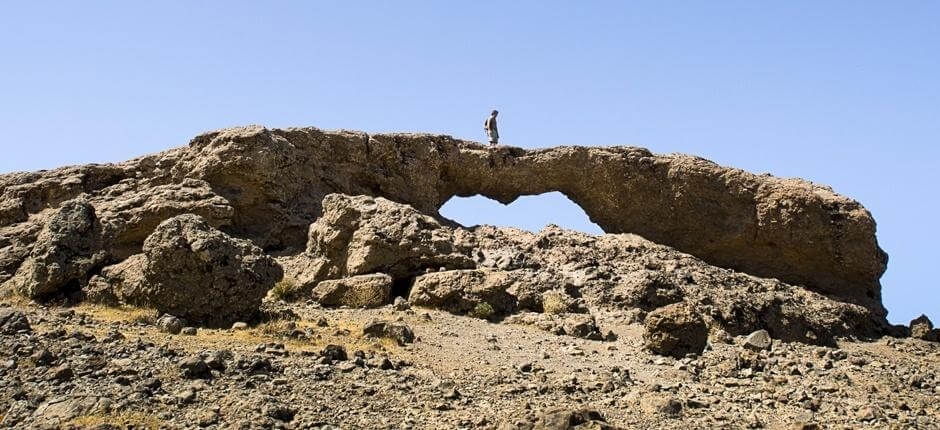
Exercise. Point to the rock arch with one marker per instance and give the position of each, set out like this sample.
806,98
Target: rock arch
271,182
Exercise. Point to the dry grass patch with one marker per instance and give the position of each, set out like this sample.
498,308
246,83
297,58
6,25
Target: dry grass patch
120,313
555,302
286,289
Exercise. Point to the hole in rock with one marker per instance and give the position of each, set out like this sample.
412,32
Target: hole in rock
401,287
530,213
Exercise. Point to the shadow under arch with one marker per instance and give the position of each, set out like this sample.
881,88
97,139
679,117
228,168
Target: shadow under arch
530,212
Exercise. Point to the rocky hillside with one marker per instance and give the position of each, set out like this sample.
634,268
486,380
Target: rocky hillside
220,283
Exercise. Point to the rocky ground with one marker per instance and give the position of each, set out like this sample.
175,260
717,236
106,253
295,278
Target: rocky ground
99,367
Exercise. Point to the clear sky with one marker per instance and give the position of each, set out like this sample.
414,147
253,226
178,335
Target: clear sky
845,93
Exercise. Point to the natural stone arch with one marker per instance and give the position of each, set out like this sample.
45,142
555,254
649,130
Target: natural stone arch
271,183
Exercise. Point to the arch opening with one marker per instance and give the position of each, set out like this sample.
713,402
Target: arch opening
531,213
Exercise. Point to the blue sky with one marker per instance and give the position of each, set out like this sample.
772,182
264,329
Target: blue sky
845,93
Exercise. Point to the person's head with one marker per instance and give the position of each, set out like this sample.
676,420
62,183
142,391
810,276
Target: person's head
494,112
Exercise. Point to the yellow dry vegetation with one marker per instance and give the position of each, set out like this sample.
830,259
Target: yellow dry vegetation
265,332
133,420
554,302
118,313
286,289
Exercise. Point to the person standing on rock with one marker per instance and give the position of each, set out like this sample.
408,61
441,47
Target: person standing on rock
490,127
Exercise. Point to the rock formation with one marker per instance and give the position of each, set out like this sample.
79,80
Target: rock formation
304,279
271,187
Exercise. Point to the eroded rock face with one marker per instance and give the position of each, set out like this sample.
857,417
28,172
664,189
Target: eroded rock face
193,271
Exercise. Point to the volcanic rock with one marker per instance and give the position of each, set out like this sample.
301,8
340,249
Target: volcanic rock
675,330
67,249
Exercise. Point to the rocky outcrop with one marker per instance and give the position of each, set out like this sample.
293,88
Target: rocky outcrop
191,270
275,182
784,228
554,271
269,186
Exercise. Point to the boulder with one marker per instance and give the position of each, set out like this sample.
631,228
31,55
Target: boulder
459,291
648,290
67,249
169,324
13,321
363,291
922,328
758,341
675,330
399,332
196,272
360,234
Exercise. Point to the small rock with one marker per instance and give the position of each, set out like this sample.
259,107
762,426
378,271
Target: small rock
186,396
564,419
334,353
662,405
867,413
401,304
216,360
188,331
207,418
401,333
13,321
42,357
758,341
61,373
381,363
169,324
194,367
240,326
